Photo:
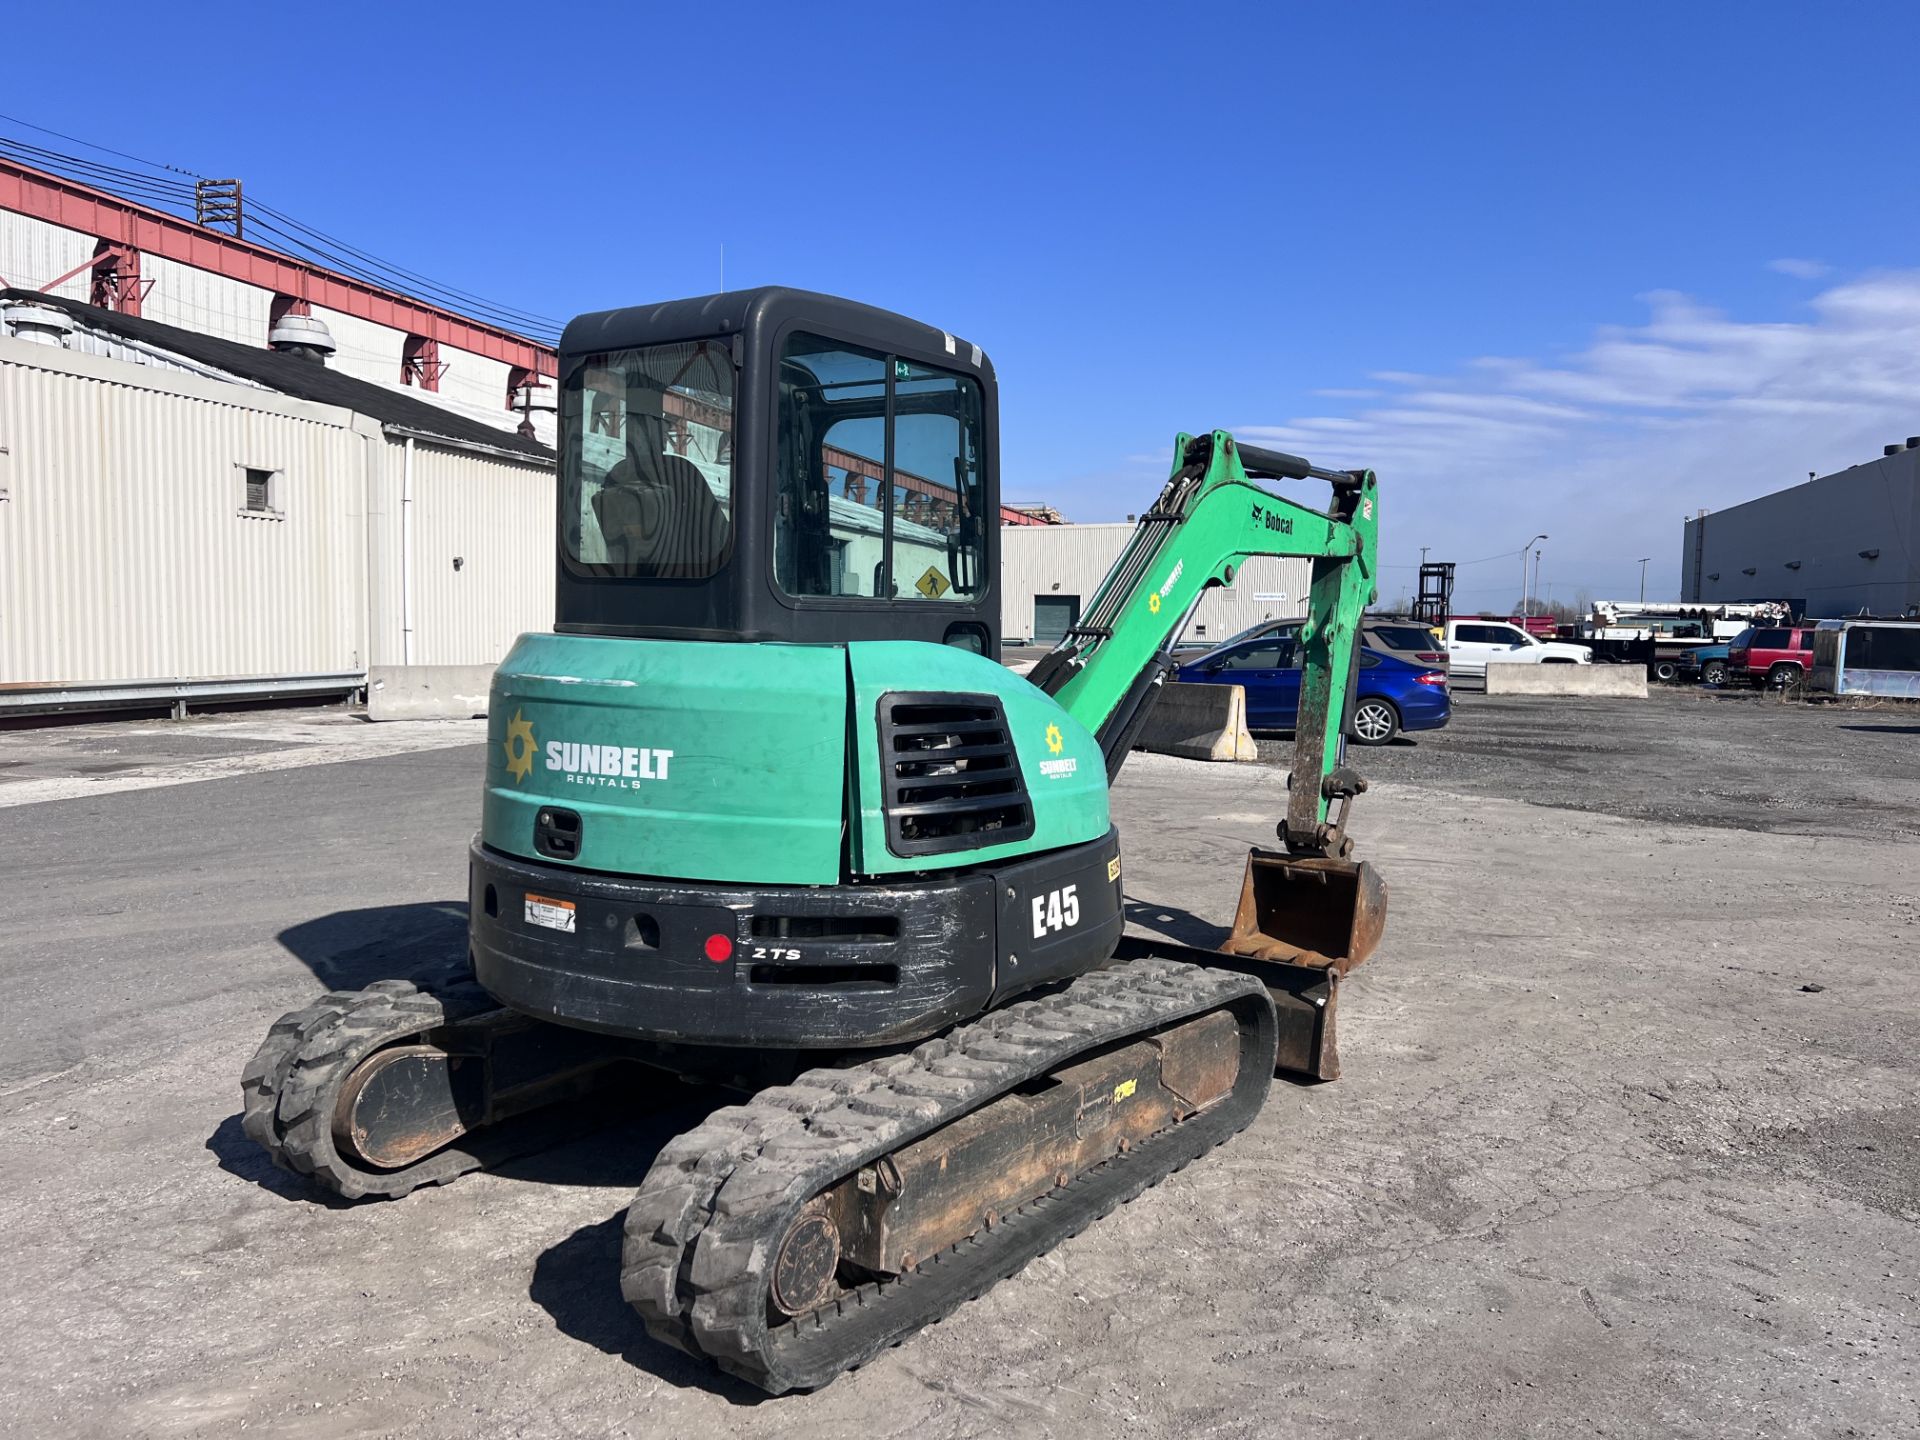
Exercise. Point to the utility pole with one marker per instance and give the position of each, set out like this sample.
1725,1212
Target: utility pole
1536,579
217,203
1525,594
1643,578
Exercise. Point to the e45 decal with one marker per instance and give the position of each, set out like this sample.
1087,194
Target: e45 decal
1056,910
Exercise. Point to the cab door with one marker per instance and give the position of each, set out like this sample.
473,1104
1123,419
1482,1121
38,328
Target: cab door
1469,647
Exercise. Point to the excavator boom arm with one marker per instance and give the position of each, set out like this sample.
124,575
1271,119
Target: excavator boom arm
1208,522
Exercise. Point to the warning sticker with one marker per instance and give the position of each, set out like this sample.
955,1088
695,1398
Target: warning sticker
550,914
932,584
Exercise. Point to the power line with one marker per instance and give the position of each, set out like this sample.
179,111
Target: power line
481,310
103,149
300,238
107,174
397,270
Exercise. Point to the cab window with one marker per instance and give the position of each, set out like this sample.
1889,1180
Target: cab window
880,476
646,469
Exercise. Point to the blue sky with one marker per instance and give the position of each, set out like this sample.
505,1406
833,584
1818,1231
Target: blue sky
1568,268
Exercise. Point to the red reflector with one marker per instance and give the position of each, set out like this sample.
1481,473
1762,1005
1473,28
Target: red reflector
1432,677
719,949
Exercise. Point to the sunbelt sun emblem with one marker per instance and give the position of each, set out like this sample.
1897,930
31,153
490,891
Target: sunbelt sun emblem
1063,767
519,746
1154,597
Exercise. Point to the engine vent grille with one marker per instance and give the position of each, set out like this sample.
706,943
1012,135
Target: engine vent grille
949,773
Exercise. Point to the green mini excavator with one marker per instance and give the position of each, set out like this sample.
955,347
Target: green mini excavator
767,811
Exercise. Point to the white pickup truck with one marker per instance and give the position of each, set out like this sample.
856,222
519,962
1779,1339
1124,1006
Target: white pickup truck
1473,644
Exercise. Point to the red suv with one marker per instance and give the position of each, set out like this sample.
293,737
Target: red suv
1771,657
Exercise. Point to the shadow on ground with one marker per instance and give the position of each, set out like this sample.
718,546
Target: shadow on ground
239,1156
1181,926
350,949
577,1282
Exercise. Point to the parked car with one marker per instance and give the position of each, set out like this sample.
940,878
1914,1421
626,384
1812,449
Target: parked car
1392,696
1471,644
1708,664
1413,641
1768,655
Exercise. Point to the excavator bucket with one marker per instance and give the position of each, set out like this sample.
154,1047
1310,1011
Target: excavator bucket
1303,922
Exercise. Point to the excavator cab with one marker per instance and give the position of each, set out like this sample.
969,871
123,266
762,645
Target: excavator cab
775,465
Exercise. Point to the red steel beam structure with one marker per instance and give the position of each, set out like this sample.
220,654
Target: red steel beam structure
68,203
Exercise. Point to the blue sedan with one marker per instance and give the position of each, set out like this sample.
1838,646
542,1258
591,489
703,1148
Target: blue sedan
1392,696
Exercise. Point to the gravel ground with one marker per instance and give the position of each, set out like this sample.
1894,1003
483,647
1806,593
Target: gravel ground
1739,760
1625,1145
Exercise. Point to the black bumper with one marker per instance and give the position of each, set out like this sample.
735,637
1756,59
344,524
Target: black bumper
808,967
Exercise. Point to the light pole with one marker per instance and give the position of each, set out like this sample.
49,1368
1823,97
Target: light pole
1525,596
1536,578
1643,578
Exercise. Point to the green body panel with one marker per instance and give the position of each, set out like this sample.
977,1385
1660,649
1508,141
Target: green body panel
753,788
1219,521
1067,784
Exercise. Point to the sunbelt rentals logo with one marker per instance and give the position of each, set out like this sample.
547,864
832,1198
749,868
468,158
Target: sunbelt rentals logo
1057,769
616,767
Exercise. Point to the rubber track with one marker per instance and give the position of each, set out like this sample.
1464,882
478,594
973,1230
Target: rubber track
289,1089
703,1229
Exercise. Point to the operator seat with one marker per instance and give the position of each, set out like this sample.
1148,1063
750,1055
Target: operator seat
660,519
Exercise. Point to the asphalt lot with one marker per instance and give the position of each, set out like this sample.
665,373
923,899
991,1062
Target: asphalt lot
1626,1142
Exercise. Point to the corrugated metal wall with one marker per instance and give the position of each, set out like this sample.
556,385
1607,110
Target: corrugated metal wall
124,552
474,380
205,302
127,554
496,517
366,351
1071,560
32,252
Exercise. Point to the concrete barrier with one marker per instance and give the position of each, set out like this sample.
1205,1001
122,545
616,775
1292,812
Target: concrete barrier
427,692
1517,677
1199,722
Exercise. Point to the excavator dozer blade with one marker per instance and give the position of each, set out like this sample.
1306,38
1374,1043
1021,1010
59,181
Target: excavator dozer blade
1303,922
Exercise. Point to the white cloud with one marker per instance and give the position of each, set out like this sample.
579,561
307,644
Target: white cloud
1608,448
1801,269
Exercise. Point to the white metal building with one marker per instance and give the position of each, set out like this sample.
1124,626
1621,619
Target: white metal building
184,517
71,240
1049,573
